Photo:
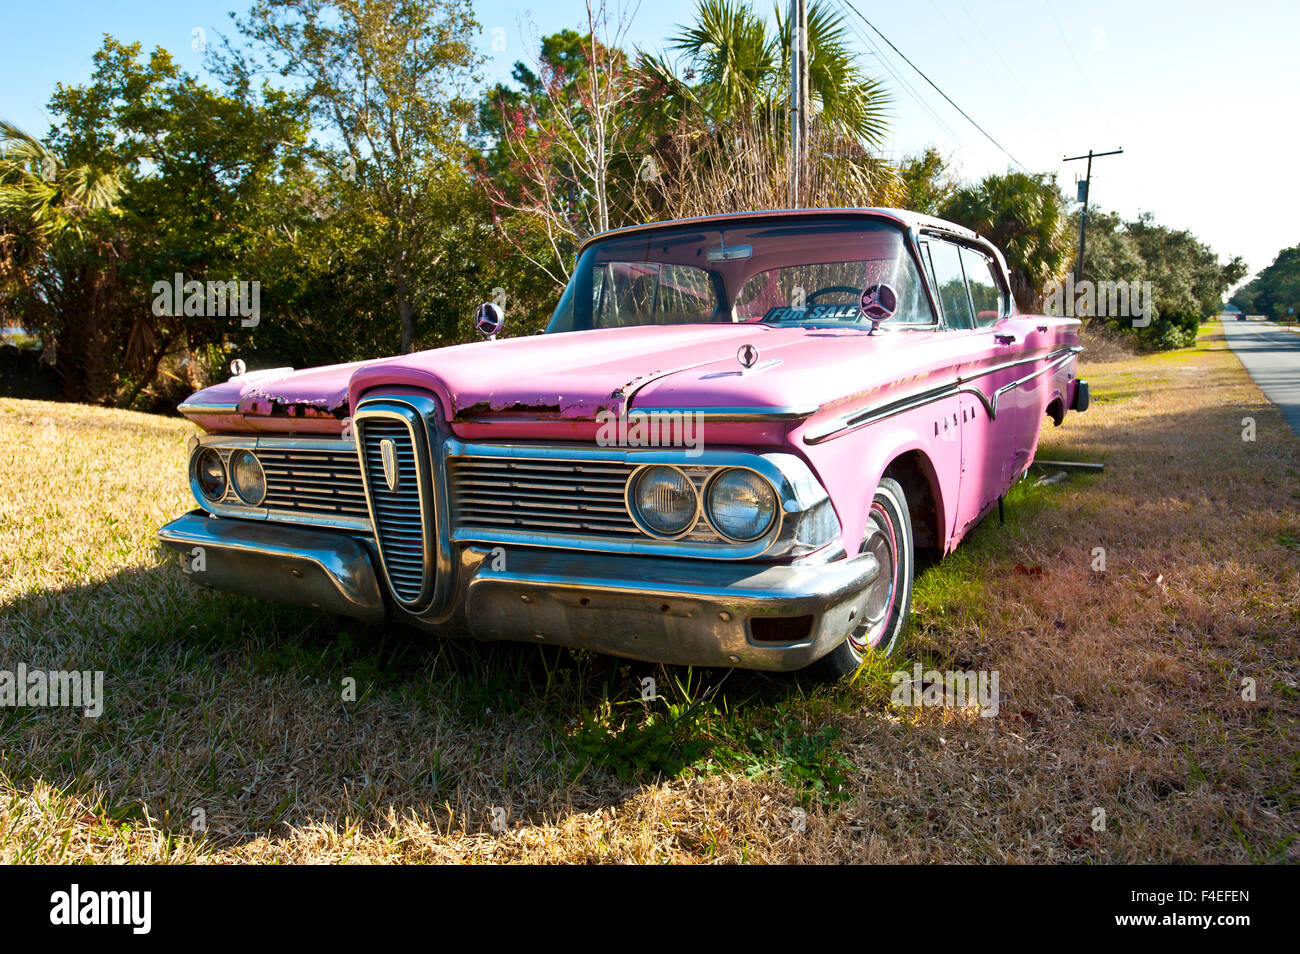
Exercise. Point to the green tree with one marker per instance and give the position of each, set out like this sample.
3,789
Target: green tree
56,252
1275,290
1185,277
1023,215
199,173
390,82
927,181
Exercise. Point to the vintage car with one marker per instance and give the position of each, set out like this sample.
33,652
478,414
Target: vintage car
725,450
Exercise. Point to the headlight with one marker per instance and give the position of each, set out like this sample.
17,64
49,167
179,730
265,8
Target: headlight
247,476
741,504
211,474
663,501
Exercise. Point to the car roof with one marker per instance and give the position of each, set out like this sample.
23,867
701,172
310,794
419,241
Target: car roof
911,220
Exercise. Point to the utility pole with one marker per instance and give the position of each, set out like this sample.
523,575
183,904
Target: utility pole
798,101
1084,196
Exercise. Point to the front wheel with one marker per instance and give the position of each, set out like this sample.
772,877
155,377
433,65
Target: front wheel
888,535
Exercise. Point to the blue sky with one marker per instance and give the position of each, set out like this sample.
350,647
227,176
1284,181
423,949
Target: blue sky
1203,97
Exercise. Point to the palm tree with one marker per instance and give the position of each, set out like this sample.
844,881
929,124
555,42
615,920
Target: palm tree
743,68
1024,215
40,194
56,265
41,200
732,56
715,127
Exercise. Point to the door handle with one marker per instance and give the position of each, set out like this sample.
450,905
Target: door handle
1042,328
1005,339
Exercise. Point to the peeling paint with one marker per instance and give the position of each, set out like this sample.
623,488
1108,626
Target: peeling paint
264,403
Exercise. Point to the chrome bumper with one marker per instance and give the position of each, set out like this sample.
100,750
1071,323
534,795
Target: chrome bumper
323,569
676,611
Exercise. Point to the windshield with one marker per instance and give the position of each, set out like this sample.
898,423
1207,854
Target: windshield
806,272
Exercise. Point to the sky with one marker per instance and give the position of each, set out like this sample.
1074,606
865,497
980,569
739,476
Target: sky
1202,97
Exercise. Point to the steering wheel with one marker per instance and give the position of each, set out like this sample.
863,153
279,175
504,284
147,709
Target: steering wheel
849,289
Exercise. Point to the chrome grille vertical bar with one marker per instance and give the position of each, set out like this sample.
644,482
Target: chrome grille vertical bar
395,462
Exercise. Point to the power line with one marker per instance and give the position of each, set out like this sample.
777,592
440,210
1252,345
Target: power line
904,58
1016,84
901,80
1065,40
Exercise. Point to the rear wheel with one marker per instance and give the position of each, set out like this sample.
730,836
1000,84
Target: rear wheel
888,536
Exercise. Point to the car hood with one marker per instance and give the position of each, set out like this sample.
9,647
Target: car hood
577,375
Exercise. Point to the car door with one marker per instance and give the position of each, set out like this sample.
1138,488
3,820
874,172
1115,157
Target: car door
989,429
1022,395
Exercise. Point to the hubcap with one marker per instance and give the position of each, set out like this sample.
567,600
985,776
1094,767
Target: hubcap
879,542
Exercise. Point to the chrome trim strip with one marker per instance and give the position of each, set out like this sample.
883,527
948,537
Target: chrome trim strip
959,385
754,413
790,413
190,407
1029,377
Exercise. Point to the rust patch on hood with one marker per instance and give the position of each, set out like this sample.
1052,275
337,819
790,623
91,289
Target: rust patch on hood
540,406
265,404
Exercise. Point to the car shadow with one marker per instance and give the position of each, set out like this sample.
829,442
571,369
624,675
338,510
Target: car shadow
256,718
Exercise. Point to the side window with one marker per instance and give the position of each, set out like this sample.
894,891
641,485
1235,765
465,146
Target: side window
950,283
985,292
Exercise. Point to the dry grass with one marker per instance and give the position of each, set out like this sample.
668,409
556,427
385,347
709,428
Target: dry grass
1121,690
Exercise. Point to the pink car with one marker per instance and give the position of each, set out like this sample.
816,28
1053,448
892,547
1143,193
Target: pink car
725,450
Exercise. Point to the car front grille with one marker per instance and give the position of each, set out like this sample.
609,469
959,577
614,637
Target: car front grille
322,482
541,496
399,522
497,498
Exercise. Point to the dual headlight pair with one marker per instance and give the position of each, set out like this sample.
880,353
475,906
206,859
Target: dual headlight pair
245,475
738,503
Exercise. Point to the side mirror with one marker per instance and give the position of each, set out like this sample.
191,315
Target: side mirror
489,319
878,303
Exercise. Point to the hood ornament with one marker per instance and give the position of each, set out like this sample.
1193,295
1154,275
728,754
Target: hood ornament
388,454
747,356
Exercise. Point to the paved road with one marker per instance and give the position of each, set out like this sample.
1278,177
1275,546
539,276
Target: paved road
1271,354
